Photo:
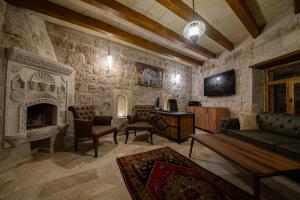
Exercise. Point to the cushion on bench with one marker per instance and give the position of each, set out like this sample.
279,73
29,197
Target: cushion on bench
262,138
280,123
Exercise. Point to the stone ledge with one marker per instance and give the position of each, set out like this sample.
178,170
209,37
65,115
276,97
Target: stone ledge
25,57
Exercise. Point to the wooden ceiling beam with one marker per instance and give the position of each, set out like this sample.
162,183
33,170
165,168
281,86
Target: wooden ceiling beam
296,7
145,22
242,11
68,15
185,12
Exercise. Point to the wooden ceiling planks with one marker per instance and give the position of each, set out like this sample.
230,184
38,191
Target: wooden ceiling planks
185,12
68,15
144,22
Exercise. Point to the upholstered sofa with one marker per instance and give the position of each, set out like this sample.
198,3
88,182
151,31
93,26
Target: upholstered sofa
276,132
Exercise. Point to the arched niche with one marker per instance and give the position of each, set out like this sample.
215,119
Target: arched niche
122,105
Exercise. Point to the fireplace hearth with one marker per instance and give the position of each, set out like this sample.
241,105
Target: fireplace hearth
41,115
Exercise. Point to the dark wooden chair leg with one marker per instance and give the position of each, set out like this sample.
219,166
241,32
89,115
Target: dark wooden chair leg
256,187
191,148
126,132
115,136
134,132
95,143
151,139
75,143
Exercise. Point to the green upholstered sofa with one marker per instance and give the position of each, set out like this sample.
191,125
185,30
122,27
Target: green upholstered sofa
277,132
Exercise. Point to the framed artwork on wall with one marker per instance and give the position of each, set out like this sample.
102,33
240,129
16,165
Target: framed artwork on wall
148,75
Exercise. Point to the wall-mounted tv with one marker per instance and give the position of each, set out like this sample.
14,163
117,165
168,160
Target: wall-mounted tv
220,85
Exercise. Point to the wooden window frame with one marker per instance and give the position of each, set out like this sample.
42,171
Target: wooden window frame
290,82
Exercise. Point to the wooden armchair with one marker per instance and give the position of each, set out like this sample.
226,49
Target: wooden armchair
140,120
89,125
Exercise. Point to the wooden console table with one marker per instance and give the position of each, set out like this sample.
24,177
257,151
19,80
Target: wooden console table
255,160
209,118
174,125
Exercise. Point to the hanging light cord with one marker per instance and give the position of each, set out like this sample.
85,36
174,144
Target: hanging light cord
193,9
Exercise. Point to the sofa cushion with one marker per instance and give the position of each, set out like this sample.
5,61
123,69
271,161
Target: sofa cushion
280,123
264,139
290,150
247,120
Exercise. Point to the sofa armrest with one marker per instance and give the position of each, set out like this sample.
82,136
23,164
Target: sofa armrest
230,123
83,127
132,118
102,120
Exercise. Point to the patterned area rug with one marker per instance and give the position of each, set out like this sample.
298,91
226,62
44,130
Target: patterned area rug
164,174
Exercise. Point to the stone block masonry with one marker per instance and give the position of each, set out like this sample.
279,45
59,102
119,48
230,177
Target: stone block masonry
95,85
279,37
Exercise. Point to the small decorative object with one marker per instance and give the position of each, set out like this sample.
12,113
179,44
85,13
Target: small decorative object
43,86
149,75
32,85
194,29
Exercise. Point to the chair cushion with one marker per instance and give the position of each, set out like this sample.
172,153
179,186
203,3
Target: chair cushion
139,126
290,150
262,138
102,130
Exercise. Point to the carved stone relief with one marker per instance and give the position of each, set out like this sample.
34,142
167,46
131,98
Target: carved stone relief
18,83
14,67
24,57
17,95
43,80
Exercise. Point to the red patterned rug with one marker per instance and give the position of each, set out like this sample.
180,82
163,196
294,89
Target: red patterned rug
164,174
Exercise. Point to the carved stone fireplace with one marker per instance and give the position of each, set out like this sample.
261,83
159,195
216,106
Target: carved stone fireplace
38,92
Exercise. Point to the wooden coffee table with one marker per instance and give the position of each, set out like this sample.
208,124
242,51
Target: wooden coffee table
258,162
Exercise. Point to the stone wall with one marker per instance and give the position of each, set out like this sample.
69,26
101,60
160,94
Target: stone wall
95,85
279,37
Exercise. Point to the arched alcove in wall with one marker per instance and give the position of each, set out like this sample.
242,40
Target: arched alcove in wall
122,105
165,103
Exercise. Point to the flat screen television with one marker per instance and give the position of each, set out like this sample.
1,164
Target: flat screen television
220,85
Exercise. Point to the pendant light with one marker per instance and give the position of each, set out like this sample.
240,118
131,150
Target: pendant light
109,60
194,29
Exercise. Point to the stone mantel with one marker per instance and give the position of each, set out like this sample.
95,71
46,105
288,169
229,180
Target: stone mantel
27,58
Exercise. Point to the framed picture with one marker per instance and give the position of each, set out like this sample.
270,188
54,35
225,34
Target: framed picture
148,75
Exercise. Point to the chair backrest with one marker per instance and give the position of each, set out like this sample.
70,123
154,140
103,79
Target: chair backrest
83,112
142,112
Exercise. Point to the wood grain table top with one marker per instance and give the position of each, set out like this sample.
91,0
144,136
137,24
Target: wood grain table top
254,159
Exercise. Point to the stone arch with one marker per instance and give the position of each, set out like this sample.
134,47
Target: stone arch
165,103
122,105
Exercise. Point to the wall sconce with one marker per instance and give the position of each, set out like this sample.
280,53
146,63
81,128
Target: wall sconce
109,60
176,78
